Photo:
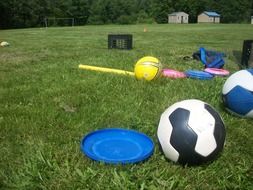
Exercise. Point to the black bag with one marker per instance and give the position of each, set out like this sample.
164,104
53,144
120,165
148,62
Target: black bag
247,54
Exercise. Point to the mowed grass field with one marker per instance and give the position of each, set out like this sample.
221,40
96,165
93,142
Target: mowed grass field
47,105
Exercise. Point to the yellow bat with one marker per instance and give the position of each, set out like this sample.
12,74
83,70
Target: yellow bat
106,70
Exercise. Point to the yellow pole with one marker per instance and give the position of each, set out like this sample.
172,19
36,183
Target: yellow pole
106,70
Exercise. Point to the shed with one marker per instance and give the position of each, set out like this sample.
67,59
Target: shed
209,17
178,17
251,19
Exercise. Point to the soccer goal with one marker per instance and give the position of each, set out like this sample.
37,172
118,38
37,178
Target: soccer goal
53,21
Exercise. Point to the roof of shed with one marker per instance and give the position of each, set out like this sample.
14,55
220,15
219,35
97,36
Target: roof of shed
176,13
212,14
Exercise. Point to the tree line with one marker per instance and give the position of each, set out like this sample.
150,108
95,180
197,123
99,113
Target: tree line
31,13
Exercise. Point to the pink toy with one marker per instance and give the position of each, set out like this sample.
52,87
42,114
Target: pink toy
170,73
215,71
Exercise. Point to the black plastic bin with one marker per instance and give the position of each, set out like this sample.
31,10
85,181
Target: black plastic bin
247,54
120,41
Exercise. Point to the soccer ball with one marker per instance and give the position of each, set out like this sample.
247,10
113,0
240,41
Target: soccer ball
191,132
148,68
3,44
237,93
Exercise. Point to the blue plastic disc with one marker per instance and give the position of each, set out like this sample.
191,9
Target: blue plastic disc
117,146
198,75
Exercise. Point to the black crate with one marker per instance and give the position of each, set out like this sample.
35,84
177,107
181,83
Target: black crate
120,41
247,54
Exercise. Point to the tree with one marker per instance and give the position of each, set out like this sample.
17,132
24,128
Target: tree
5,14
161,9
80,10
235,11
112,11
24,13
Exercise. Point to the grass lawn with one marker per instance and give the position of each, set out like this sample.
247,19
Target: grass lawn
47,105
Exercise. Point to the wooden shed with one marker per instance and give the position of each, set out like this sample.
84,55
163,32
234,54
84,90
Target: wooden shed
178,17
209,17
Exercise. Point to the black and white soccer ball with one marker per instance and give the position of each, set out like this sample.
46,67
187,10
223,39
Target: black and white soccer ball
191,132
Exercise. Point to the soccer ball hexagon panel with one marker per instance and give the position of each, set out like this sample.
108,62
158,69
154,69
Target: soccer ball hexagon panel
237,93
191,132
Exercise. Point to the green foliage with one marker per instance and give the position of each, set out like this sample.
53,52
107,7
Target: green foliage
47,105
22,13
125,19
160,10
143,17
236,11
113,11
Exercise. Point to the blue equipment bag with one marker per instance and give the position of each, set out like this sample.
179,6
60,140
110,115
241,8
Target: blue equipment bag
211,59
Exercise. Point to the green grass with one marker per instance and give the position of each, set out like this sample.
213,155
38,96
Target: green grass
47,105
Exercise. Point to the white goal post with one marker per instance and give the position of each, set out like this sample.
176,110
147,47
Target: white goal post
59,21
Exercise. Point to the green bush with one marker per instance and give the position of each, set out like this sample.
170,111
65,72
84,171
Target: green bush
125,19
143,17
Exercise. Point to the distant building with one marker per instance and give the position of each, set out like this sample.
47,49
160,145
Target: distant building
209,17
178,17
251,19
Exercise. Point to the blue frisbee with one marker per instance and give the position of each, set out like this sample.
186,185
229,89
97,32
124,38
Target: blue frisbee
117,146
198,75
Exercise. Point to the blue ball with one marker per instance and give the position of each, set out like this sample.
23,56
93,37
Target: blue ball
237,93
